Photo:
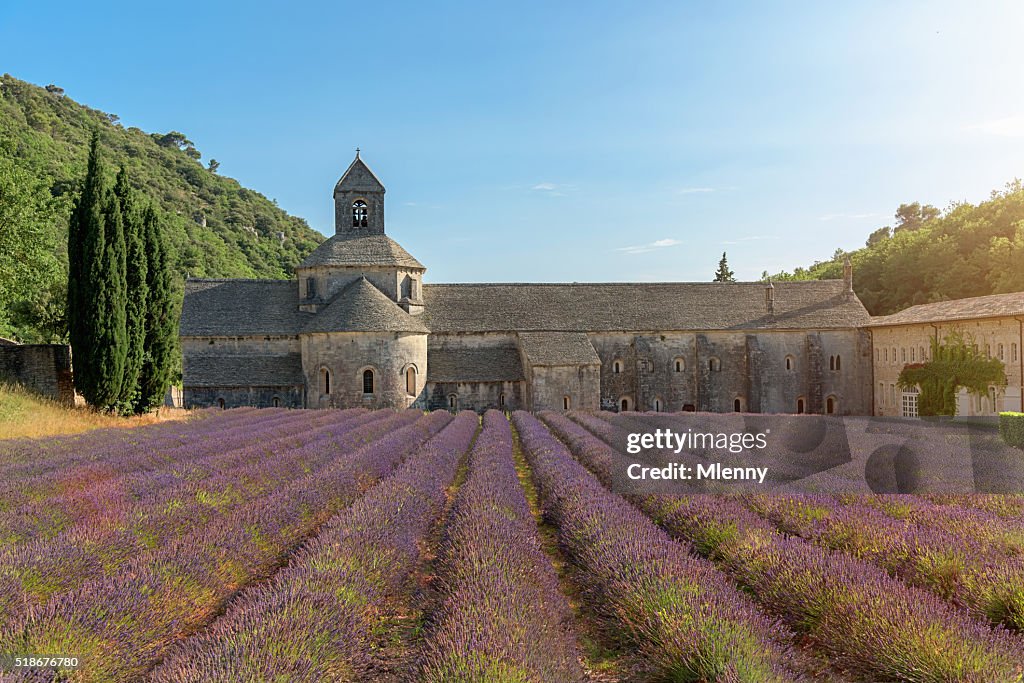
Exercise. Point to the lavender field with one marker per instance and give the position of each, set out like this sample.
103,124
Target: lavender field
274,545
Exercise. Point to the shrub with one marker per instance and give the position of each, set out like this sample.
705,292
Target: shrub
1011,428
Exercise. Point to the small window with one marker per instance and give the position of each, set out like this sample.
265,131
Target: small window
903,355
325,381
800,408
367,381
830,405
276,401
220,402
737,406
689,408
887,355
453,401
359,213
790,363
881,393
832,363
839,363
310,287
892,395
1000,352
410,381
714,364
878,355
624,404
923,356
617,367
894,354
679,364
657,405
566,403
912,359
501,400
1013,349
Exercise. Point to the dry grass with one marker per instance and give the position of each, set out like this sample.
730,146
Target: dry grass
23,413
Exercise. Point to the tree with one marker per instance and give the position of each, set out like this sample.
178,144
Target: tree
913,216
136,300
879,235
213,165
723,274
955,363
161,328
96,288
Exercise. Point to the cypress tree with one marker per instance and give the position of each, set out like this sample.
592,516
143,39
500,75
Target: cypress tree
105,304
136,294
723,274
85,255
161,329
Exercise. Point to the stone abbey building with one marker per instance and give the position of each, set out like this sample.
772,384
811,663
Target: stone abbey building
358,327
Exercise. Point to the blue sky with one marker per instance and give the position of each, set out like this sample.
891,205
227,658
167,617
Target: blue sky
568,141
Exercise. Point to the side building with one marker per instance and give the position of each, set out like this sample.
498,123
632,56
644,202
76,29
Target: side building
996,325
357,327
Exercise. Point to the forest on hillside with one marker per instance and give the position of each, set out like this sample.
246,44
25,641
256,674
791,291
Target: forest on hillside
930,255
214,226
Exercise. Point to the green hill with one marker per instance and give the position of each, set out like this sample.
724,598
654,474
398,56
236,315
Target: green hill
969,250
215,227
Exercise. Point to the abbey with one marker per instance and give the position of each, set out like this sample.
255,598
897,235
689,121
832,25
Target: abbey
359,327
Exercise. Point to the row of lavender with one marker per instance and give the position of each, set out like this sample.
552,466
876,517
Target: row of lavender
684,614
46,505
121,622
318,618
863,619
501,616
34,572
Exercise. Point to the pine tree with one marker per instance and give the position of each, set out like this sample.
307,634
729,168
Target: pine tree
724,274
161,329
136,300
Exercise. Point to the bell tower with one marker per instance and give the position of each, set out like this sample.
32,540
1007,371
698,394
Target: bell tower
359,201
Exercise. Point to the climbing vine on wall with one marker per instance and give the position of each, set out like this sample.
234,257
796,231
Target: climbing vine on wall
955,363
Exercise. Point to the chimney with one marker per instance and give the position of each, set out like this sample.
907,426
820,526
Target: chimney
769,298
848,275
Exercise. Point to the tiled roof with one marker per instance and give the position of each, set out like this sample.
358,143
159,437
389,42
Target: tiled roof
346,249
242,370
484,364
361,307
558,348
239,308
992,306
813,304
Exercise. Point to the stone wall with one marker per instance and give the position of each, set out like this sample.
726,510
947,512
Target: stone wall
550,386
44,368
764,371
478,396
346,355
238,397
899,345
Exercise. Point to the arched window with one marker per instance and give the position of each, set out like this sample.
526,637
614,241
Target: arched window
903,355
359,213
624,404
277,402
367,381
894,354
310,287
737,406
800,406
912,359
501,400
714,364
453,401
790,363
832,363
1000,352
566,403
617,366
657,405
410,380
830,405
839,363
325,381
679,364
220,402
887,355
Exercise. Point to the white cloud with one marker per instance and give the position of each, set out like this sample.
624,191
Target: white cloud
1008,127
695,190
644,248
552,189
544,187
